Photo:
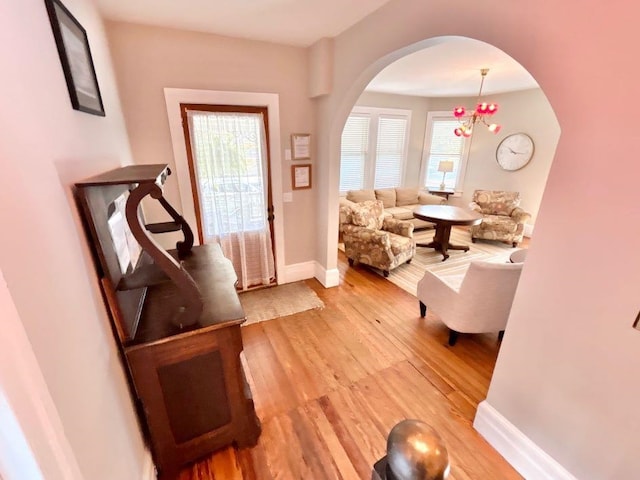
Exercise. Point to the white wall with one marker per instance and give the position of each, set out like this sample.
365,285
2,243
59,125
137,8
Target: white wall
45,145
33,445
149,59
566,376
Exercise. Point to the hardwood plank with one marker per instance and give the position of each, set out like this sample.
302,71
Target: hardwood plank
345,367
362,428
350,445
295,365
273,390
330,384
314,450
311,356
363,349
339,456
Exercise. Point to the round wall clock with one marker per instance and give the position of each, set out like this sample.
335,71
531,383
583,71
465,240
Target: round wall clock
515,151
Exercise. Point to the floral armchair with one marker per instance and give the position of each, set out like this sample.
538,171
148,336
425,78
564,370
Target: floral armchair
502,218
372,238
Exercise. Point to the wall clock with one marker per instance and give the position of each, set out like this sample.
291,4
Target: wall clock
515,151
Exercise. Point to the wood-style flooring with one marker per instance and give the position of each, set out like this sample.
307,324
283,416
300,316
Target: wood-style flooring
329,384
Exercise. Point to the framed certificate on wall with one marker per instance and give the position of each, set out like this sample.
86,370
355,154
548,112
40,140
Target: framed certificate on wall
300,146
300,176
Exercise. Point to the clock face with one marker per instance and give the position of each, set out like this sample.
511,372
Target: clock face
515,151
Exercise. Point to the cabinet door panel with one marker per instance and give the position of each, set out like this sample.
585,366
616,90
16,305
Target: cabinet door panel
195,395
189,388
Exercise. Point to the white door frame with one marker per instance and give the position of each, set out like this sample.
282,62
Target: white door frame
174,97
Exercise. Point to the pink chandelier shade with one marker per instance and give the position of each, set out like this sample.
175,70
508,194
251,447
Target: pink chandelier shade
480,114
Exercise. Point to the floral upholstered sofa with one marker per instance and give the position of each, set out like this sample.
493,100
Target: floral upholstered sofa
375,239
502,217
399,203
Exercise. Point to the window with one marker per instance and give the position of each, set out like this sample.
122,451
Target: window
440,143
374,148
355,148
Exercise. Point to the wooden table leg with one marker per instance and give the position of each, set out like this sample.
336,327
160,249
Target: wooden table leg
440,241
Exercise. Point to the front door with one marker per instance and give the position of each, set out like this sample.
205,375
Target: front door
228,155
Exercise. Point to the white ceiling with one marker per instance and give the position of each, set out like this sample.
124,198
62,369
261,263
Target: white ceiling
291,22
450,68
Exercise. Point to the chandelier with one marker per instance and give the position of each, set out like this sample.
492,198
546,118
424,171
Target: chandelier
482,111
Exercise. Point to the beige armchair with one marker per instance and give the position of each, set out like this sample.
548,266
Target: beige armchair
374,239
502,218
476,302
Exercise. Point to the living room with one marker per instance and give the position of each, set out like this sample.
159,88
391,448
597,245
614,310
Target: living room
411,94
565,376
522,108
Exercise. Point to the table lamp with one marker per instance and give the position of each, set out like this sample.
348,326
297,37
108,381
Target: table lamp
445,166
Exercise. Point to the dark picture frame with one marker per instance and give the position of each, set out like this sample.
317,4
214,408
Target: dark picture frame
75,56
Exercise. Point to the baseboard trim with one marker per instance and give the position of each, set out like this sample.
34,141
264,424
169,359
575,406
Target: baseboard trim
328,278
305,270
297,272
528,230
524,455
149,470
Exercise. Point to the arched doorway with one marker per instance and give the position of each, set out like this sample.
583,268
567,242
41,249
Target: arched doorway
341,108
442,75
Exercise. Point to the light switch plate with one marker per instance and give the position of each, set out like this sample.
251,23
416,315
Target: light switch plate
287,154
287,197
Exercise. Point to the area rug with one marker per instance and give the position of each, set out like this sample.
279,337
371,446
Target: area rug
280,301
407,276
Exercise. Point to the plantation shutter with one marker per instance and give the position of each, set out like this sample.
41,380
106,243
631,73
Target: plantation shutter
355,146
390,151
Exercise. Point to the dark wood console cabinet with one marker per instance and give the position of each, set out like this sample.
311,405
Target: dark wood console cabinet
176,316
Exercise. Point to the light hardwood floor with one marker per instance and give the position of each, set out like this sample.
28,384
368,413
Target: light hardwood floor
329,384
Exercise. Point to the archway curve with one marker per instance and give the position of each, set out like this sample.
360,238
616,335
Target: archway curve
359,83
370,72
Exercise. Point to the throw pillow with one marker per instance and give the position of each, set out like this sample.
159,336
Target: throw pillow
388,197
361,195
369,214
406,196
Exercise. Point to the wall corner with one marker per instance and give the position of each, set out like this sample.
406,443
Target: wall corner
321,68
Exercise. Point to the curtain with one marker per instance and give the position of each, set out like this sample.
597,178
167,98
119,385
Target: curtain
229,157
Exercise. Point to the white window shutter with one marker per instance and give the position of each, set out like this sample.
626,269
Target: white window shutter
355,146
390,151
374,148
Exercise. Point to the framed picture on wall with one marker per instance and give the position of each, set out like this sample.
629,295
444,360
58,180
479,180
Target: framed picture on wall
75,56
300,146
300,176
